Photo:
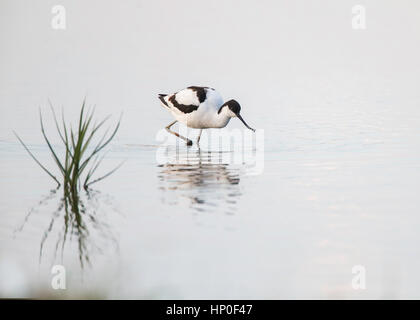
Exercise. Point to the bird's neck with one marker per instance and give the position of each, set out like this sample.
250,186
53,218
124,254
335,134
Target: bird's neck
221,120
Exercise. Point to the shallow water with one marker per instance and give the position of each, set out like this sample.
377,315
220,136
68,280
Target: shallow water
201,228
336,186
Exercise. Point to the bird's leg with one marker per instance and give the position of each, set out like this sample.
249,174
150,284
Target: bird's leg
168,128
199,136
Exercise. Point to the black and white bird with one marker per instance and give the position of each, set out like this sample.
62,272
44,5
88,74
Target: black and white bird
200,108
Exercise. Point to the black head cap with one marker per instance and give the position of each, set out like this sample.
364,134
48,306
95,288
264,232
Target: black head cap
233,105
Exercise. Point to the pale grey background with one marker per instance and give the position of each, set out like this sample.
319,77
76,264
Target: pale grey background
340,110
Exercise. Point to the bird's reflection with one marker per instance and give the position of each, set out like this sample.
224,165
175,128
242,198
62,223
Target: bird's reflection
79,219
201,181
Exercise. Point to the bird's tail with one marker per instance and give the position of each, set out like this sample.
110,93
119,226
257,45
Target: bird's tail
162,99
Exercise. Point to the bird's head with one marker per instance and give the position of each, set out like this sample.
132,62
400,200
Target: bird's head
232,109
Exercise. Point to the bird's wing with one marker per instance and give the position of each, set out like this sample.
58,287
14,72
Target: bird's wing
187,100
163,98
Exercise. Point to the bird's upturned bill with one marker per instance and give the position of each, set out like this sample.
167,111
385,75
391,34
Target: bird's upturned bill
240,118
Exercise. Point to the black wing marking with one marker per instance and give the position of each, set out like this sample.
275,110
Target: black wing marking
201,92
162,98
182,107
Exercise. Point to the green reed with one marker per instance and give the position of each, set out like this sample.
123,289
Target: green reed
78,159
83,153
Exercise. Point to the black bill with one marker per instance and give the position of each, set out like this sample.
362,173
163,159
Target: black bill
243,121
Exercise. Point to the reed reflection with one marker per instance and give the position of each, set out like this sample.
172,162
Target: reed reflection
77,166
79,219
201,181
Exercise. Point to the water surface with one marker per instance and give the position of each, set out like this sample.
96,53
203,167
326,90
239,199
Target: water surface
339,186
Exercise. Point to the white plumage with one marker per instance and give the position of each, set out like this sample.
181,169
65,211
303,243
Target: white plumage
200,108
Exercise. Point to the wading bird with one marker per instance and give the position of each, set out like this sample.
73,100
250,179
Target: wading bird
200,108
